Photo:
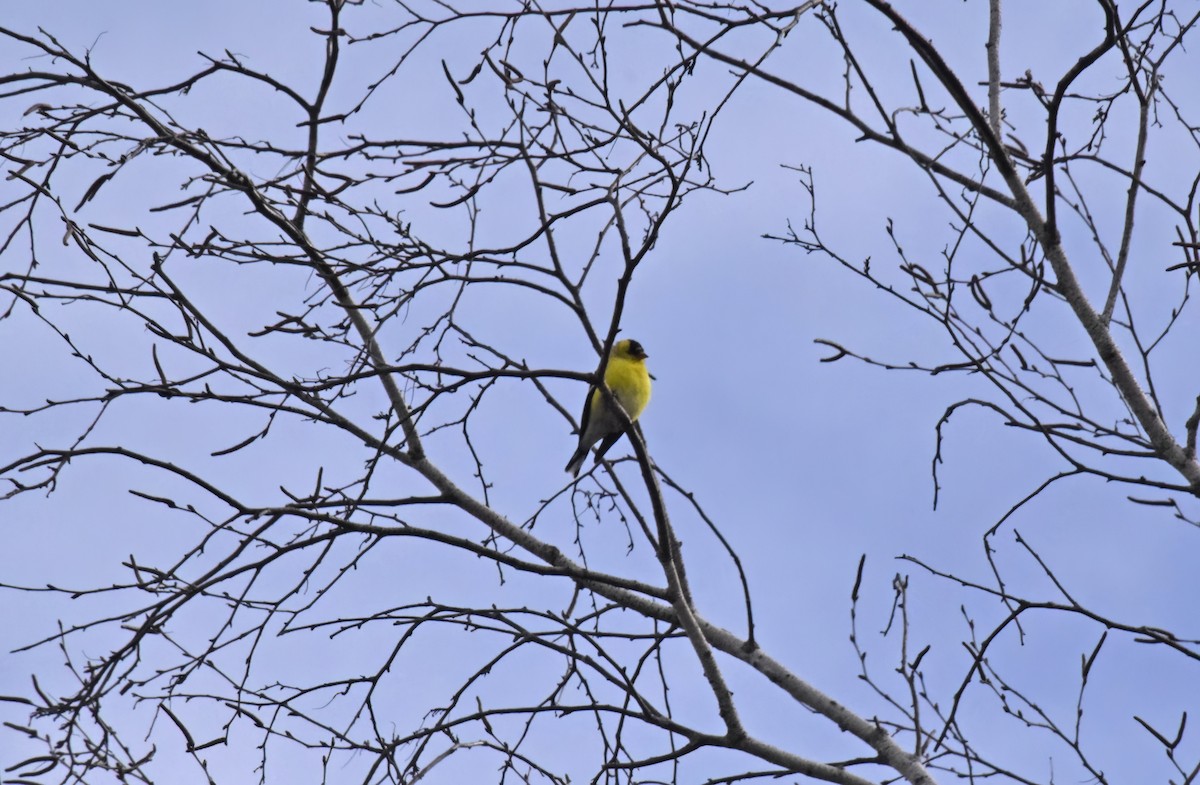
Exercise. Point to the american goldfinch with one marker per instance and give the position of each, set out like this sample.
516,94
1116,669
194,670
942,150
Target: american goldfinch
629,381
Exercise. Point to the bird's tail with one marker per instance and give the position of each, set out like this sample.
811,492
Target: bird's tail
576,462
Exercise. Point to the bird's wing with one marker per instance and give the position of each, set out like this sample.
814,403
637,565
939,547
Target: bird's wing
606,443
587,412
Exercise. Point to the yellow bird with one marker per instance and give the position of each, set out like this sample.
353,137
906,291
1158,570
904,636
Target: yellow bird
627,377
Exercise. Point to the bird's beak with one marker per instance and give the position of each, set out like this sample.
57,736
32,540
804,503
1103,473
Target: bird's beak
642,355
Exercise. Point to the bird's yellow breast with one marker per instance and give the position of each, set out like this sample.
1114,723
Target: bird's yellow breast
630,382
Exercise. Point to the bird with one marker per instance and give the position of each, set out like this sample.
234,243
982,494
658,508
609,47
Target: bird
626,376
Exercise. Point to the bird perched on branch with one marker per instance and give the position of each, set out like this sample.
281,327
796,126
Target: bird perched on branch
626,376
